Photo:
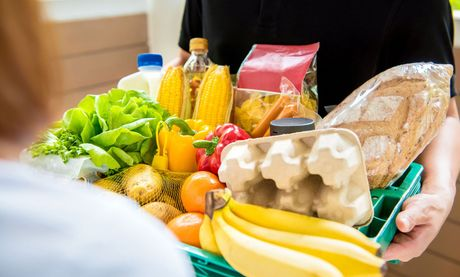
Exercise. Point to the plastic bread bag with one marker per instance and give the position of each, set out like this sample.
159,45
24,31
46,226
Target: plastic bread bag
251,107
396,114
265,66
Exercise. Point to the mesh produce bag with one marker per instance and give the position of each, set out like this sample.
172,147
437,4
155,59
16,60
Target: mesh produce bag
157,191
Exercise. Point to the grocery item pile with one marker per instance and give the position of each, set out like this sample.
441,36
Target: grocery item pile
196,153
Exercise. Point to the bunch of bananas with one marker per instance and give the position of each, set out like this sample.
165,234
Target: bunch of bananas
258,241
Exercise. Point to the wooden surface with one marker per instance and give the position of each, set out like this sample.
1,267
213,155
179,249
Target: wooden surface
96,53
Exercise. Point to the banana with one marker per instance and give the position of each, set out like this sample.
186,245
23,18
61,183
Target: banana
207,238
349,258
254,257
301,224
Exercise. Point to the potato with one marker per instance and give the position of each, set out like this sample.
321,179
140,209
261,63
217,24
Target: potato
143,183
162,211
109,184
165,198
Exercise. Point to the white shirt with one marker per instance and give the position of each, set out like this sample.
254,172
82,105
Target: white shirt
55,227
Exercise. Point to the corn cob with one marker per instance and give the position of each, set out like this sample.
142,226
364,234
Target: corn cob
172,94
215,97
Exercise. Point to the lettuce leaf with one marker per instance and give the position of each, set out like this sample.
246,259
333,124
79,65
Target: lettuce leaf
99,156
117,129
75,120
121,156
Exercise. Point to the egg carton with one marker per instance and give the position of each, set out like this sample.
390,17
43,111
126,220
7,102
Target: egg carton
318,173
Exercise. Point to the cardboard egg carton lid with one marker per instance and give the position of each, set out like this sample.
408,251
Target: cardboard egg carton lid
320,173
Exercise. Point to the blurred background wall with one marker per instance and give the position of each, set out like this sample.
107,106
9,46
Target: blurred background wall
99,39
98,44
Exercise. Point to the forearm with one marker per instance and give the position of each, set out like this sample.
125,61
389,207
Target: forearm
423,215
441,159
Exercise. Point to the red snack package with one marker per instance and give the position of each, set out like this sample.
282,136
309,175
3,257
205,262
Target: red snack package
266,64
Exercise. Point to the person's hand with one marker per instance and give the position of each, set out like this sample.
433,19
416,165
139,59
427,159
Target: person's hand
419,222
181,58
174,62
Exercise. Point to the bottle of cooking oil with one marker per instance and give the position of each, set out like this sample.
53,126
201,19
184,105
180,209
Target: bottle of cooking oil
196,66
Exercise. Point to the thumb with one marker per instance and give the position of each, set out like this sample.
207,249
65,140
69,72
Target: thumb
410,217
404,223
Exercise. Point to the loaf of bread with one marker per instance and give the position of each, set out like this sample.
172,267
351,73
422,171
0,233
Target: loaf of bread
396,114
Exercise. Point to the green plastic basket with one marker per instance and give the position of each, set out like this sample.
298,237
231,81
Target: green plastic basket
387,204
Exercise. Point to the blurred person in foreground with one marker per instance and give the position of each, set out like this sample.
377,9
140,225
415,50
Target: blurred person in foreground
359,39
50,226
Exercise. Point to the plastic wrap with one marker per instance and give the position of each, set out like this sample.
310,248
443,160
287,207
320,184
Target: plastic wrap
396,114
266,65
319,173
250,107
76,168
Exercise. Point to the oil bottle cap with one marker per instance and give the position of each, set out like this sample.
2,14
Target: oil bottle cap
291,125
198,44
149,59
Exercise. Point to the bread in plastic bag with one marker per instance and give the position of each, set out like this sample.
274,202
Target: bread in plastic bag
395,114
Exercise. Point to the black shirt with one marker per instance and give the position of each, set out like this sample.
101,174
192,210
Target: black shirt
358,38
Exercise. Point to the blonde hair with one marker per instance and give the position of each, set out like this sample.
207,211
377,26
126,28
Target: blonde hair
27,77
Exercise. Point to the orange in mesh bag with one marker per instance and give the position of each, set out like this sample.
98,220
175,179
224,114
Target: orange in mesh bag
156,190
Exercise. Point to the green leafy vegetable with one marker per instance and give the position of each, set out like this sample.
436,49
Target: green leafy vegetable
116,129
58,142
99,156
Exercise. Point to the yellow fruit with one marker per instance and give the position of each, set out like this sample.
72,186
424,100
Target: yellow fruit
301,224
349,258
162,211
207,239
254,257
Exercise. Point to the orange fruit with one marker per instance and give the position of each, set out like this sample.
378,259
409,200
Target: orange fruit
193,192
186,227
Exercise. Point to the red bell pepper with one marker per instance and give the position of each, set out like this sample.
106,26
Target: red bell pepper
210,149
